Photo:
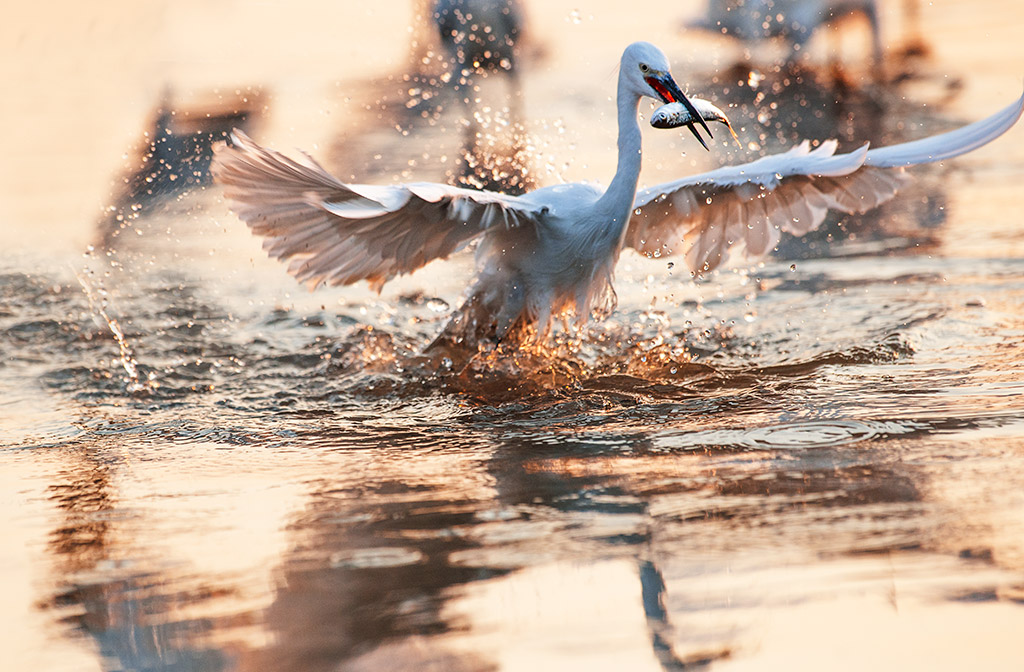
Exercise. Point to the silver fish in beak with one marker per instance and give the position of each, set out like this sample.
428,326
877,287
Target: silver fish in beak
669,92
674,115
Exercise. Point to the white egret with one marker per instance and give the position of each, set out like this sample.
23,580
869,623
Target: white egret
552,252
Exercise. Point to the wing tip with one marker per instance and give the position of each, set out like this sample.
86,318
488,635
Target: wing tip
951,144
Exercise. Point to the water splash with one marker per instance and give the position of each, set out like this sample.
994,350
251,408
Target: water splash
134,384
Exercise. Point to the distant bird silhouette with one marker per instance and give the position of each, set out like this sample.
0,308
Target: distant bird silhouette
173,158
479,35
794,21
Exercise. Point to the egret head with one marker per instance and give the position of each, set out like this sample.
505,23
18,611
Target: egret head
646,72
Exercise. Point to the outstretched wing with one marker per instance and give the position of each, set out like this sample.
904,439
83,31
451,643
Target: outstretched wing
747,207
336,233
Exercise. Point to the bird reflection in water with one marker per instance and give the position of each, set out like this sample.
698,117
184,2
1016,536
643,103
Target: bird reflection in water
383,564
390,539
108,589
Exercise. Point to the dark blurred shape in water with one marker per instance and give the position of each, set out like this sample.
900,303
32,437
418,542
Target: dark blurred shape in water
479,35
481,38
652,585
796,22
173,156
463,85
793,21
111,599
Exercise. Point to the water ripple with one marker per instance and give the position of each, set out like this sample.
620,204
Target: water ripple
798,435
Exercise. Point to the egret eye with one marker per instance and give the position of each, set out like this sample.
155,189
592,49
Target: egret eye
644,68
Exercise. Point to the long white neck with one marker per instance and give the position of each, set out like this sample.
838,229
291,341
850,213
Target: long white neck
622,189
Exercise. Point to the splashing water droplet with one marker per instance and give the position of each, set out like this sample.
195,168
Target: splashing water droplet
126,356
438,305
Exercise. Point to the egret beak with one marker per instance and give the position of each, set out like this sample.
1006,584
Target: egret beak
669,92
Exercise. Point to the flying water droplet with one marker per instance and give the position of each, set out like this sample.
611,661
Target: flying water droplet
438,305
